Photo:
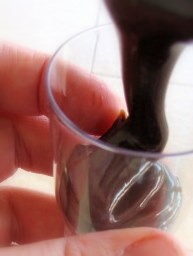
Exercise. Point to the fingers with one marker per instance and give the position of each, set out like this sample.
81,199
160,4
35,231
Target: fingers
87,101
33,144
25,143
22,86
7,149
20,80
28,216
132,242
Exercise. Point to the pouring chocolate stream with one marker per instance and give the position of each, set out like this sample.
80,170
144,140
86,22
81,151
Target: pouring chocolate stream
139,191
149,34
126,190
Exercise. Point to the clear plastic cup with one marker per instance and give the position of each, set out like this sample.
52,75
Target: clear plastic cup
100,186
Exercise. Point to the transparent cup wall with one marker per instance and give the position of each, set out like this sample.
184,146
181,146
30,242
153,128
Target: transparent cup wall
97,185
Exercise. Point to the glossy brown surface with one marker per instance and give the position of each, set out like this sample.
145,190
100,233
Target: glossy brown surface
149,35
149,32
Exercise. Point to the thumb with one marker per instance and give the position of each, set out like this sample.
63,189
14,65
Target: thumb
127,242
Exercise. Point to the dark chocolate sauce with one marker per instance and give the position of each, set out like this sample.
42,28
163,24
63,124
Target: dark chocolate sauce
107,190
148,33
141,192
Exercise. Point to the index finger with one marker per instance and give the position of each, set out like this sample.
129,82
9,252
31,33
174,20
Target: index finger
22,87
22,92
20,80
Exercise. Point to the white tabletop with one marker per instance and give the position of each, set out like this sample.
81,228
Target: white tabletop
44,24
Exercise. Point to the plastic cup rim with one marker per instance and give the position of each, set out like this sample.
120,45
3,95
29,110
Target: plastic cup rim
82,134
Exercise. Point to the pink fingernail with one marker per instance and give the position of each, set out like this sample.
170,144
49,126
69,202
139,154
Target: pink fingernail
152,247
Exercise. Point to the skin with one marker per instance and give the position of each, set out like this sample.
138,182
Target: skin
25,143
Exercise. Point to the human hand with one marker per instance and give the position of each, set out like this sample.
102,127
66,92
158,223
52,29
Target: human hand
27,217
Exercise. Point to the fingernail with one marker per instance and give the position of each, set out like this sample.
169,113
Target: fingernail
152,247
